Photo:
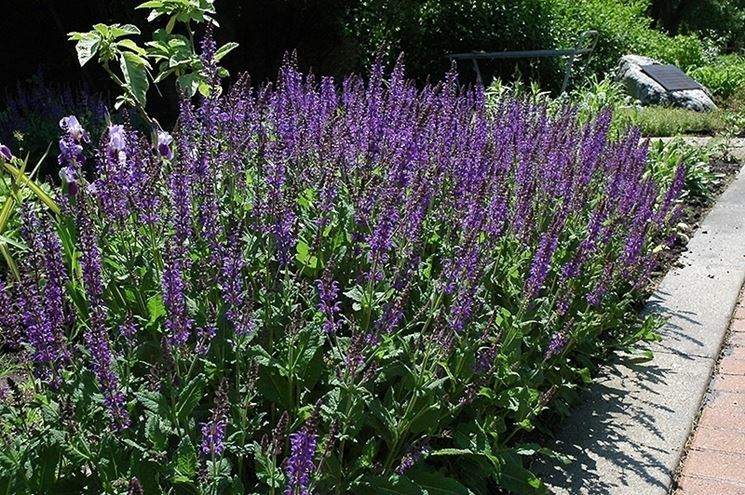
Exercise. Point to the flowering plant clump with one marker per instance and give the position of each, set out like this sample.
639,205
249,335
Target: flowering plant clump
312,288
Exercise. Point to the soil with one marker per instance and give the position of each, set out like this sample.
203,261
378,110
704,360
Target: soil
695,209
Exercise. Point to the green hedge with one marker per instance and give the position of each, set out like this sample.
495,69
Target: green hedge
426,30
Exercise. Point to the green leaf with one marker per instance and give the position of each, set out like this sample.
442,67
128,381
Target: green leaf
224,50
87,46
395,485
154,433
152,401
125,30
190,396
133,67
303,251
186,459
189,83
21,177
152,4
134,47
156,308
515,478
438,484
171,24
16,244
451,452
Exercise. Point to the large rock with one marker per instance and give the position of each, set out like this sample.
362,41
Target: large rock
649,92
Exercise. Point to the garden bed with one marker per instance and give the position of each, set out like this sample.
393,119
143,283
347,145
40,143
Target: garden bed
696,207
367,289
628,434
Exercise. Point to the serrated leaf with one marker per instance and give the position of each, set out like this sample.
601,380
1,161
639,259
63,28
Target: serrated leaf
150,400
133,67
154,433
186,459
134,445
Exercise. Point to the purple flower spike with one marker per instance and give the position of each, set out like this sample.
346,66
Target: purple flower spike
213,432
164,145
300,465
328,291
6,153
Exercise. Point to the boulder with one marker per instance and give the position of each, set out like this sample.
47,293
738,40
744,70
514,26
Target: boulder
649,92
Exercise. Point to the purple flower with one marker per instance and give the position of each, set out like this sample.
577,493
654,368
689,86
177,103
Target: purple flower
69,175
71,157
72,128
213,432
671,195
329,305
559,340
541,264
117,138
596,295
5,153
129,330
164,145
556,344
178,322
300,465
96,335
42,309
205,335
413,455
10,318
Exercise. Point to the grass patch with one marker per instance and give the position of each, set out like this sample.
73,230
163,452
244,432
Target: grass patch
666,121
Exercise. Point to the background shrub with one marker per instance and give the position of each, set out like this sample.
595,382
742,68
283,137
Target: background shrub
427,30
724,76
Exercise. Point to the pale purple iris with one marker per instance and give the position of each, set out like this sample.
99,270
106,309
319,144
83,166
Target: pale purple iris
71,125
69,175
117,139
164,145
6,153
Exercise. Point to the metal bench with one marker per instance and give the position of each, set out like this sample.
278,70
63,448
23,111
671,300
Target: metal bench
585,46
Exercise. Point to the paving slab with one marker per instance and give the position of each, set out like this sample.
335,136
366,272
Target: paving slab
629,434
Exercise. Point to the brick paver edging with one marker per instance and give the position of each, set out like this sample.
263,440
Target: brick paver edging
628,436
715,461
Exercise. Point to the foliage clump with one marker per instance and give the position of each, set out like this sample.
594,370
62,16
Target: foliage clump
313,288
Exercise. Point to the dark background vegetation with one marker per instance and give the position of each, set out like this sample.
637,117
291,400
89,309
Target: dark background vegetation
34,36
337,36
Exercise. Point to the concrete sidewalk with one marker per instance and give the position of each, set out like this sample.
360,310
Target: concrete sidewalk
630,433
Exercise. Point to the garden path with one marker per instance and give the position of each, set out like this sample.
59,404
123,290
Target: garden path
715,462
